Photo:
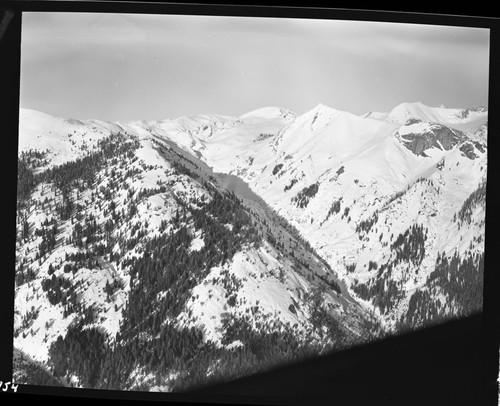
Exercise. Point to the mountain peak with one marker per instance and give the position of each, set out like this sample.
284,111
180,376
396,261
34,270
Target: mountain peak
402,112
479,109
269,112
462,119
323,108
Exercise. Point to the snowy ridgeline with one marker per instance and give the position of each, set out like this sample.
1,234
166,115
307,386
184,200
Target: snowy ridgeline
141,249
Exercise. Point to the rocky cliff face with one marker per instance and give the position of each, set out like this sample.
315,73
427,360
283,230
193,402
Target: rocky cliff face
418,137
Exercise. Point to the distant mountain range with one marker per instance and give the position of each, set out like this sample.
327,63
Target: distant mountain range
168,254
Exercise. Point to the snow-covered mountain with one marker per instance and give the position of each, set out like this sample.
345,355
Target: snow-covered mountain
255,240
352,185
459,118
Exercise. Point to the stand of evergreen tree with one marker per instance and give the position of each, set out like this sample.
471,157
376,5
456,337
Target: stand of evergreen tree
305,195
29,372
407,249
474,199
80,353
162,277
460,280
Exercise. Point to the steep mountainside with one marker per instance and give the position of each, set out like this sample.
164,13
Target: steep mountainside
163,255
362,190
138,267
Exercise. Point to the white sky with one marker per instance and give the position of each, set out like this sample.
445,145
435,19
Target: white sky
153,67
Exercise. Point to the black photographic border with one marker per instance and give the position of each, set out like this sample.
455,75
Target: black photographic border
453,363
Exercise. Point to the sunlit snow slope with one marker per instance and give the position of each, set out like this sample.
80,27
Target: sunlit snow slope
162,255
139,238
362,190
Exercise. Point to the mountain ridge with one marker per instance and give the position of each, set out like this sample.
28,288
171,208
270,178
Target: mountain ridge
326,229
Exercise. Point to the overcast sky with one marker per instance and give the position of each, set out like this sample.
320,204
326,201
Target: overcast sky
154,67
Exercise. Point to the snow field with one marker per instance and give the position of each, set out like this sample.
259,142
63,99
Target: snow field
312,148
